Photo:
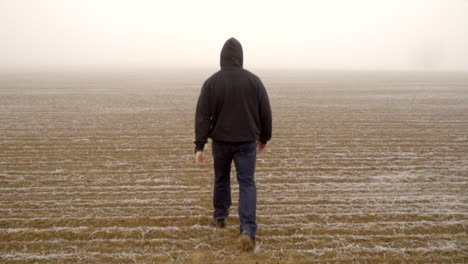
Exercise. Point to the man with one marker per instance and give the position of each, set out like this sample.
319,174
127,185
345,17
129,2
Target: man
234,111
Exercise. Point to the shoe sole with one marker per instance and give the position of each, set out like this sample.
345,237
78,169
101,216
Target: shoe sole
246,242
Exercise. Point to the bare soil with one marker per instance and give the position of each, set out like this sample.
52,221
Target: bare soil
362,168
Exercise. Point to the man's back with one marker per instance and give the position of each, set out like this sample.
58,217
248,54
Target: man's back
233,105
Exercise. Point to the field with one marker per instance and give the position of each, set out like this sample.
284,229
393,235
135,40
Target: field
363,168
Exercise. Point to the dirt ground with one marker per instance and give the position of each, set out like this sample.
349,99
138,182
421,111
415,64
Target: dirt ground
363,168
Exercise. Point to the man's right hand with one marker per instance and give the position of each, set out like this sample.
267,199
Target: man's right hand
200,158
260,147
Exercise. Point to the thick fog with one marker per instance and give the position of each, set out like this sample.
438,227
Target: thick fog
358,35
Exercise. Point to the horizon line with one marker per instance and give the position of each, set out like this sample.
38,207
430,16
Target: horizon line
144,68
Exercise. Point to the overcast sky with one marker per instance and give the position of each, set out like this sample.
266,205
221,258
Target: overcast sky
328,34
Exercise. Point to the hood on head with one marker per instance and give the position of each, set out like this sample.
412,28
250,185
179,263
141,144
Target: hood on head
231,54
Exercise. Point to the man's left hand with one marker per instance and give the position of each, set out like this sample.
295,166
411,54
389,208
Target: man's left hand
200,158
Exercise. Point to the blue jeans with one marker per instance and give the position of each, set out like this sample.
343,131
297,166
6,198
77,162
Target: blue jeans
244,156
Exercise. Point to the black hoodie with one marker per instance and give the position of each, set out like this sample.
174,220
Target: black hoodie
233,105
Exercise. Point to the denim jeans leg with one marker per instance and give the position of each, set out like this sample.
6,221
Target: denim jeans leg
244,159
222,157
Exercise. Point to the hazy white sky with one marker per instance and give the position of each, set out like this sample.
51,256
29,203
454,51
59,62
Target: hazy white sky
346,34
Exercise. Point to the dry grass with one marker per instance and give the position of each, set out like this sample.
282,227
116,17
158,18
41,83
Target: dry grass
363,168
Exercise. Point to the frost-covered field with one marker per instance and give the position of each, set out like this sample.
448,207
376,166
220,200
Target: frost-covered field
362,168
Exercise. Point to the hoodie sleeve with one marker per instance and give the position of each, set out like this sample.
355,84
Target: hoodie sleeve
264,113
202,118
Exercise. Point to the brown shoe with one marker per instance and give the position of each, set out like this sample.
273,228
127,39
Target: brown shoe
220,222
247,241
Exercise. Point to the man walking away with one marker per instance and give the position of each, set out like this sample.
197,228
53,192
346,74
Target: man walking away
234,111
